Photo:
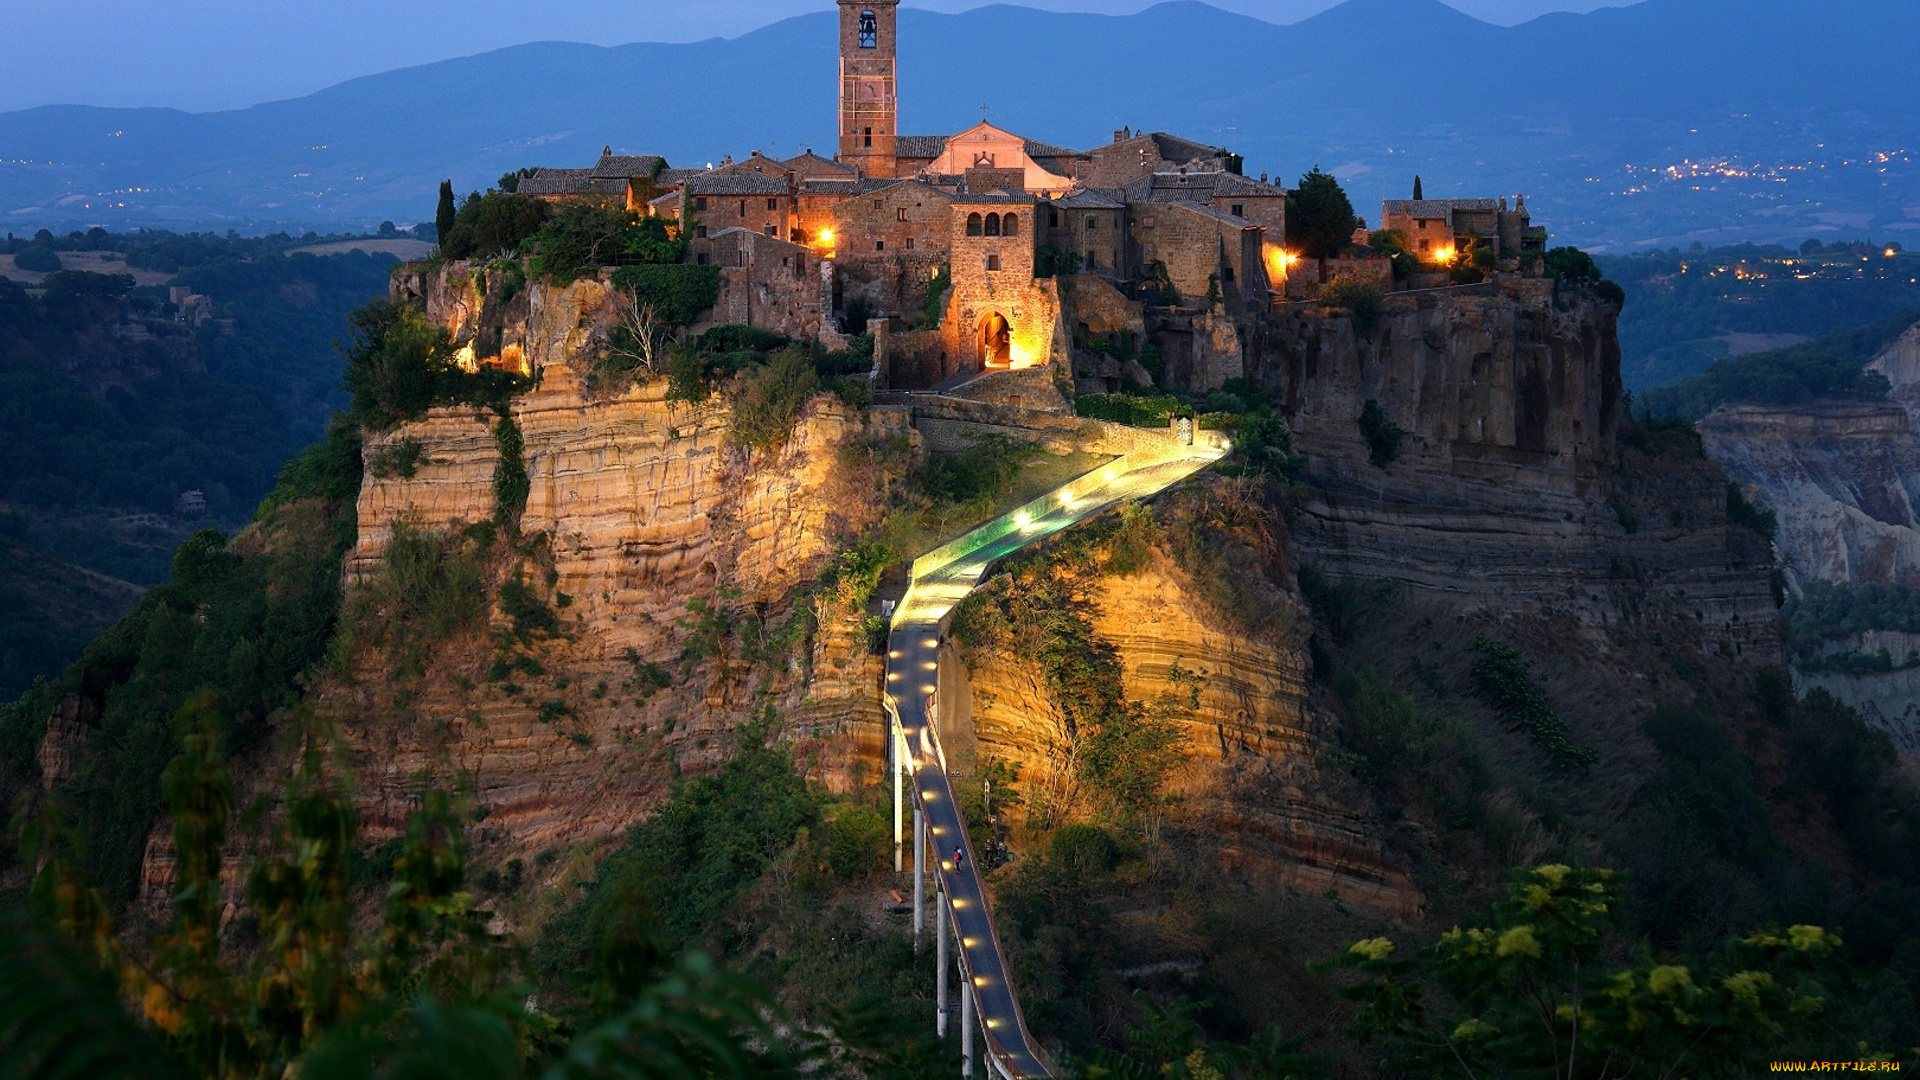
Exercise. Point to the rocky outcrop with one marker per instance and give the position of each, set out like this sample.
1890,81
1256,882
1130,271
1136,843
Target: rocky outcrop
1250,770
653,531
1500,484
1843,478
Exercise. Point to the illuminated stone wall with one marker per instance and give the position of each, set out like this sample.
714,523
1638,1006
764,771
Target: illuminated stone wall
1196,244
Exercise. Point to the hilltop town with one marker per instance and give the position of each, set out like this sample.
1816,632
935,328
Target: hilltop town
984,250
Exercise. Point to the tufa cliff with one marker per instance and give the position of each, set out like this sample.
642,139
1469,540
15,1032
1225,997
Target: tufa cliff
1470,443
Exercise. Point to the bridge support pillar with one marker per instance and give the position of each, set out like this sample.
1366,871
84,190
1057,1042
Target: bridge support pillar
940,981
919,875
899,754
966,1026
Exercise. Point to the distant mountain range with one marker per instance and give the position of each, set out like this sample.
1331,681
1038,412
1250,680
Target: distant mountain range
1662,122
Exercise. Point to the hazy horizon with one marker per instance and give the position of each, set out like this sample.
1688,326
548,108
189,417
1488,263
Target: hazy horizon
209,55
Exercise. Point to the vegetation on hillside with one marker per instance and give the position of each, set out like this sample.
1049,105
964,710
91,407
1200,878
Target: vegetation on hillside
115,410
1691,306
1829,367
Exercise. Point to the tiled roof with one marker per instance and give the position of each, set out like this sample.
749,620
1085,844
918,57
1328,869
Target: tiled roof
1195,187
1217,215
1089,199
922,184
814,164
736,184
1436,208
618,166
995,197
1038,149
557,182
828,185
919,146
671,177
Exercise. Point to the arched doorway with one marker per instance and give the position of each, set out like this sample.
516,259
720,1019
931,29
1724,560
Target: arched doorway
996,341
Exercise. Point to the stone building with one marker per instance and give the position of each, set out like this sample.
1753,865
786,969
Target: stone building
1043,169
888,243
737,200
1437,228
767,282
1203,249
1088,229
999,315
1229,193
1129,157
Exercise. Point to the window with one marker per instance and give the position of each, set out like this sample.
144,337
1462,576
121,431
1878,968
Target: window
879,245
1226,274
700,203
869,30
773,231
743,208
1239,209
993,262
773,204
993,224
973,224
900,213
878,203
1093,261
1092,223
868,139
700,259
700,232
1424,244
1010,225
1053,218
909,243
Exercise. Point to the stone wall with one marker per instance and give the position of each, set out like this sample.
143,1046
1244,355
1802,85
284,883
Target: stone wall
1199,249
767,283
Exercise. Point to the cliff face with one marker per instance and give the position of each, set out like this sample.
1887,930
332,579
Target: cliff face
1250,772
662,542
1505,488
1842,477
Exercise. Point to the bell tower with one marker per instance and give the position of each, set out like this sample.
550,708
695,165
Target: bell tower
869,111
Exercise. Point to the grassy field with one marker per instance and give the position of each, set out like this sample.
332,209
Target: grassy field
405,250
98,262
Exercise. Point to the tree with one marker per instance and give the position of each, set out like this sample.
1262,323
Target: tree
1320,219
1534,994
1417,193
443,215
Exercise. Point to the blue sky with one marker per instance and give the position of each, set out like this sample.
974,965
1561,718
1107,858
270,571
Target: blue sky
218,54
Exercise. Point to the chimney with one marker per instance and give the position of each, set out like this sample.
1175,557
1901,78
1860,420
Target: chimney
1119,135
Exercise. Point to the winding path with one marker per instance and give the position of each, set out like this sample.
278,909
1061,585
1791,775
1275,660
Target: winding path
941,579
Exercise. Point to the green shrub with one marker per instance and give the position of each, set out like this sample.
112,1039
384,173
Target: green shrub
487,225
1357,295
399,365
1083,849
1746,515
1381,433
1503,679
1134,410
401,458
583,237
38,258
979,474
858,839
510,483
678,293
770,400
931,308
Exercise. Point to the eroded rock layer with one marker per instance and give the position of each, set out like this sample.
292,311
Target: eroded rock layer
1466,443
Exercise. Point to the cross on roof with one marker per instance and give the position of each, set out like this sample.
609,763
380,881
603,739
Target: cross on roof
983,112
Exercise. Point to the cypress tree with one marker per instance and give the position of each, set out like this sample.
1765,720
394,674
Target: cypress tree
443,216
1416,187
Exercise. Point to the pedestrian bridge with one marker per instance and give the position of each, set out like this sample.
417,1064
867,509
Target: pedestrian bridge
940,580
